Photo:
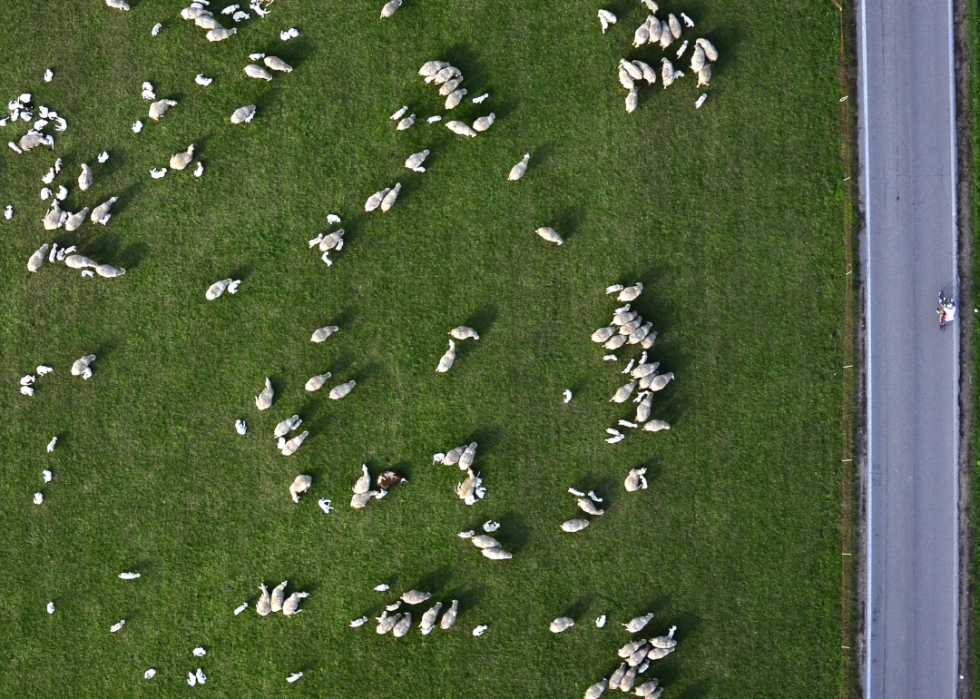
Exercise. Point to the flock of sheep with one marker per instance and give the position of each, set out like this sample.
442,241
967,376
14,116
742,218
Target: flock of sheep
663,32
627,327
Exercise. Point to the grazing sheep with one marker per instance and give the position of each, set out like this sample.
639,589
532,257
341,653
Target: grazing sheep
625,316
649,689
630,293
647,342
415,160
658,653
391,197
291,606
636,480
206,20
656,426
76,220
632,100
257,72
660,381
453,456
86,179
550,234
278,594
626,684
667,72
464,333
628,328
316,382
52,220
415,597
405,123
35,261
216,289
517,172
596,690
321,334
624,392
446,361
710,52
160,107
641,35
243,115
276,63
100,214
574,525
561,624
444,75
604,334
625,79
664,642
263,401
80,367
495,553
617,676
461,129
109,272
654,29
449,618
634,72
450,86
264,605
588,507
290,447
79,262
615,342
338,392
698,58
405,623
454,98
182,160
360,500
374,201
363,484
483,541
386,623
390,8
675,26
644,408
704,75
466,459
666,36
220,33
605,19
432,67
649,74
485,122
637,624
429,619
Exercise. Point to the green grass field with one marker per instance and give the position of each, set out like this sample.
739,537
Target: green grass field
730,215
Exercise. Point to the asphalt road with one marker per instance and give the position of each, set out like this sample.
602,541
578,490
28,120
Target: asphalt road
908,253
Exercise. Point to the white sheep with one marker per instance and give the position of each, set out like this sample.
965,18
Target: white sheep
180,161
480,99
118,4
464,333
446,361
390,8
217,289
461,129
596,690
315,383
550,234
415,597
660,381
605,19
100,214
52,220
625,79
700,101
338,392
574,525
636,480
85,179
449,618
631,70
80,367
601,621
38,497
109,272
291,606
517,172
484,122
118,625
290,448
443,75
391,197
450,86
240,427
656,426
360,500
75,220
363,483
644,408
622,395
561,624
35,261
566,395
264,605
429,619
454,98
80,262
278,595
220,33
405,123
243,115
667,74
52,443
452,457
257,72
632,100
649,689
263,401
467,457
321,334
637,624
603,334
432,67
704,75
374,201
710,52
358,622
386,623
641,35
276,63
160,107
415,160
484,541
588,507
649,74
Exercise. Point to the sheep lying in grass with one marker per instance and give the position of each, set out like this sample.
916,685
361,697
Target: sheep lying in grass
300,484
263,401
574,525
81,367
636,480
606,18
290,447
550,234
471,490
100,214
277,596
85,179
461,129
159,108
243,115
35,261
390,8
264,604
560,624
182,160
404,624
415,160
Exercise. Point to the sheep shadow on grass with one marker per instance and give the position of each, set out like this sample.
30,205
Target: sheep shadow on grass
436,581
482,320
514,532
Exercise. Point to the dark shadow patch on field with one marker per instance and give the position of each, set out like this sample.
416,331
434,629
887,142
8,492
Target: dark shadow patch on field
125,198
467,59
482,320
130,257
315,426
367,372
539,156
468,598
107,348
604,487
487,438
699,690
402,468
502,108
580,607
339,365
265,101
436,581
242,272
569,221
278,386
116,162
514,532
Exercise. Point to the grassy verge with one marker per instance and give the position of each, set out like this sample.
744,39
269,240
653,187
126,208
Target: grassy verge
728,215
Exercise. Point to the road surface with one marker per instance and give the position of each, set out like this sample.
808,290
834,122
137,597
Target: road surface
907,143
